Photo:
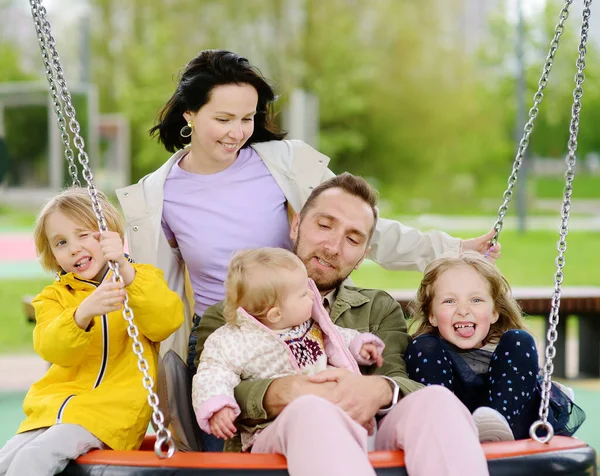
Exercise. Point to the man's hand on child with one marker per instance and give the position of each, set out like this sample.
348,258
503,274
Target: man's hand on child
108,297
112,248
371,352
221,423
360,396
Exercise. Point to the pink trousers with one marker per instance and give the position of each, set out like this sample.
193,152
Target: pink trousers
433,427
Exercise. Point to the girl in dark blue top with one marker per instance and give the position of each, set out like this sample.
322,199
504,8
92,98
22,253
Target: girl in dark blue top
471,339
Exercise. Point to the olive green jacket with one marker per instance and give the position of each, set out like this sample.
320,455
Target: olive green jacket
366,310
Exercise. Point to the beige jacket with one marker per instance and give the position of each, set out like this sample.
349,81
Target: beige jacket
297,168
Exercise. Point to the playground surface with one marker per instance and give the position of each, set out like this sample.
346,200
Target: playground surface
17,256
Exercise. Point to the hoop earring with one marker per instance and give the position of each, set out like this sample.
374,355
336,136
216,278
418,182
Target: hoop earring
186,131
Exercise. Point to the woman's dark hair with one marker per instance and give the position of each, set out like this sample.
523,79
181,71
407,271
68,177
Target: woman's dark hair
209,69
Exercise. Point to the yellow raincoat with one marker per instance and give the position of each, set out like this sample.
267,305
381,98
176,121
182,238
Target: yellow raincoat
94,380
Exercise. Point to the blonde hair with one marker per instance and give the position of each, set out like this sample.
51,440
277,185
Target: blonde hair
254,281
77,205
509,311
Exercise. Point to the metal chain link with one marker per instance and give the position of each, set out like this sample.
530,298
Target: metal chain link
47,44
69,110
570,159
57,105
533,112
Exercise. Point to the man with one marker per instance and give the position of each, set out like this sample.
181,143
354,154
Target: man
320,423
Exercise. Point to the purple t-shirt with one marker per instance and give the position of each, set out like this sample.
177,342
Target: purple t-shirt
212,216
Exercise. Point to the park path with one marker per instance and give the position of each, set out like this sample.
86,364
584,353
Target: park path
17,256
19,371
451,223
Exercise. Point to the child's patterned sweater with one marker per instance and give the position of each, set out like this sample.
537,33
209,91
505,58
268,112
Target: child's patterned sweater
250,350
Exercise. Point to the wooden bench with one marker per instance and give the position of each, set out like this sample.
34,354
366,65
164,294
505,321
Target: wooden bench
581,302
28,308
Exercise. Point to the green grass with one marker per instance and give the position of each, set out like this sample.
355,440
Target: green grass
16,218
585,187
16,331
527,260
468,194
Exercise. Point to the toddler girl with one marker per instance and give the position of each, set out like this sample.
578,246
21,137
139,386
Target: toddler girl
470,339
276,326
92,394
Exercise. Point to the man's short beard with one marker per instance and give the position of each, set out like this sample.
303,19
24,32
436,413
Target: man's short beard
330,285
322,286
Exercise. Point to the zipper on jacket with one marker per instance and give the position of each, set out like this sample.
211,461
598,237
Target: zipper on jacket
93,283
62,409
104,361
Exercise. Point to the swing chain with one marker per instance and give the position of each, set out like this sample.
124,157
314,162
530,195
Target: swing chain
163,435
570,160
533,112
38,12
59,78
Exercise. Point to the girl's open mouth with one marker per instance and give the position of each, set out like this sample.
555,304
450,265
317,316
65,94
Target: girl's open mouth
465,329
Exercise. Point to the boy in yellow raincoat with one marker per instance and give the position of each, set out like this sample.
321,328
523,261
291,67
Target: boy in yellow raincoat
92,395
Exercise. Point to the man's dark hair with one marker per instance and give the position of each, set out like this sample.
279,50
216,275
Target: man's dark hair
352,185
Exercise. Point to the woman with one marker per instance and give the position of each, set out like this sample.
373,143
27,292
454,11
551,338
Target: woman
231,183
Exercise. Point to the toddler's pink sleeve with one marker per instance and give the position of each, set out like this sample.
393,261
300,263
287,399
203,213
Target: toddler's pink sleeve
359,341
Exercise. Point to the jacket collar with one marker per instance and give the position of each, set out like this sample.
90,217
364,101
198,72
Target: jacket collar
347,298
156,180
293,161
80,284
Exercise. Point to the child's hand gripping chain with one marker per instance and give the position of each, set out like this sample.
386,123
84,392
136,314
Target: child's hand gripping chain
112,248
109,296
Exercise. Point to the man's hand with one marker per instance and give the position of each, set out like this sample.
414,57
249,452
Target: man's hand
108,297
359,396
221,423
284,390
482,246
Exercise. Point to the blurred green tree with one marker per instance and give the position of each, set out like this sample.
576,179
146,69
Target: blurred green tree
551,132
401,100
10,67
21,158
552,129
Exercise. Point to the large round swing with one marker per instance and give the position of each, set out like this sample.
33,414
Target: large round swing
543,454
